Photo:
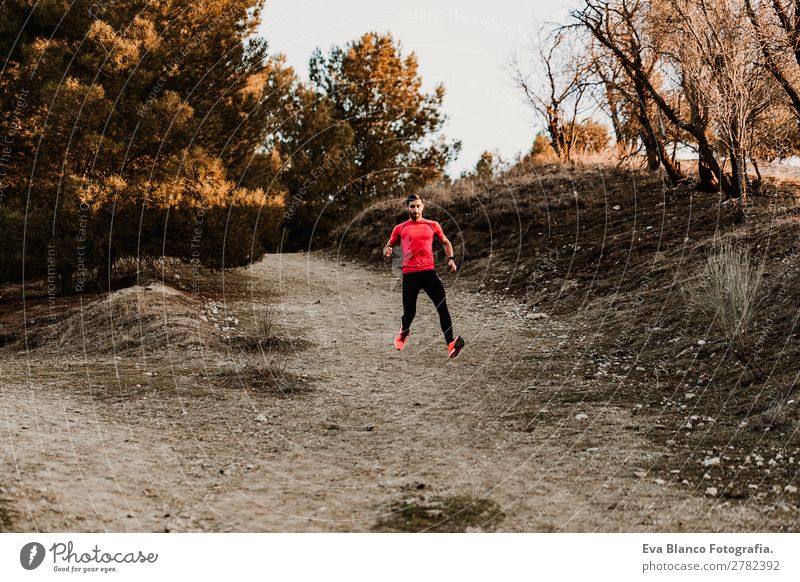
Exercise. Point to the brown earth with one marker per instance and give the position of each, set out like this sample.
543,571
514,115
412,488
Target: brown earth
172,432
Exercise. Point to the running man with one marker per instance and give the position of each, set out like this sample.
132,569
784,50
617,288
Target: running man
416,241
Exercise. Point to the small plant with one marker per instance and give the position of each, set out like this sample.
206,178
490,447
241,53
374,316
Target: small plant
265,325
268,374
727,294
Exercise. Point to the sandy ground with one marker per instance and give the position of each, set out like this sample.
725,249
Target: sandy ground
157,444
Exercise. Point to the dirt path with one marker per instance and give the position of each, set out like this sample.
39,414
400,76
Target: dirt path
491,436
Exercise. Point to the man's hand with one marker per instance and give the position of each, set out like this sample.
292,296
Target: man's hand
387,251
452,265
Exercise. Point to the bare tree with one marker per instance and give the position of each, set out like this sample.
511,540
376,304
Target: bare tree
622,27
718,56
633,116
559,100
777,27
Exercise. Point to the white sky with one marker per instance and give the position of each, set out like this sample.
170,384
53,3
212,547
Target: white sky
465,44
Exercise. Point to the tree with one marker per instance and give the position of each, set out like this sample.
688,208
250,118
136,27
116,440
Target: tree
378,93
634,117
777,28
590,137
485,166
134,132
623,28
317,158
558,101
488,166
719,57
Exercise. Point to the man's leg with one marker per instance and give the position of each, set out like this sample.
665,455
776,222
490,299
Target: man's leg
411,287
435,290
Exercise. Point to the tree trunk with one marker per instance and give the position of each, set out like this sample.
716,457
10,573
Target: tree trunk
707,180
714,179
65,281
651,150
654,146
758,172
738,176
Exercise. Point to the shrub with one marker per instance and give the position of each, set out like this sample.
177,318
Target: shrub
727,294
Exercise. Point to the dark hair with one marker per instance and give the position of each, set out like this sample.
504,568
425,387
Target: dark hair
411,198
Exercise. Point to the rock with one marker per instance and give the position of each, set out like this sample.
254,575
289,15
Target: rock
711,491
701,342
370,427
616,207
710,462
640,474
659,482
261,418
790,489
581,416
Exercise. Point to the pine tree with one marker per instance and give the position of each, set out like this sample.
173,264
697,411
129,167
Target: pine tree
141,135
378,93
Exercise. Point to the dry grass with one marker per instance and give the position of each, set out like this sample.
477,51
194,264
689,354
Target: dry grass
266,373
265,324
727,294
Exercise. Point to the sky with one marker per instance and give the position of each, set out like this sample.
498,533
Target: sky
465,44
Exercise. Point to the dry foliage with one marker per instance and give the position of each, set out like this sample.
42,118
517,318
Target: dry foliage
727,294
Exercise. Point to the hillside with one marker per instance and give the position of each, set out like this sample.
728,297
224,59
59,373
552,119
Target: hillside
613,253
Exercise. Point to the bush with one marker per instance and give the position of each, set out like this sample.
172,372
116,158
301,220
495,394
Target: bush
727,294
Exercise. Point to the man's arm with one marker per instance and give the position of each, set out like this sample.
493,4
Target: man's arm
388,249
448,248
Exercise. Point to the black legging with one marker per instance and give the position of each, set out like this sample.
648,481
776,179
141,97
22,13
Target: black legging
427,280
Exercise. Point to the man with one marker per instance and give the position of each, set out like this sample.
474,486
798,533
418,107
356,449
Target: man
416,241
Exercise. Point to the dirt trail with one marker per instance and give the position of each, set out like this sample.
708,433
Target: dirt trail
379,429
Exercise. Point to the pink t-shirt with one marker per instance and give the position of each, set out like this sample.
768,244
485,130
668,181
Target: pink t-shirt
416,242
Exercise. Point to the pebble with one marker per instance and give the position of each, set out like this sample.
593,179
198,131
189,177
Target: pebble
712,491
537,315
581,416
710,462
261,418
